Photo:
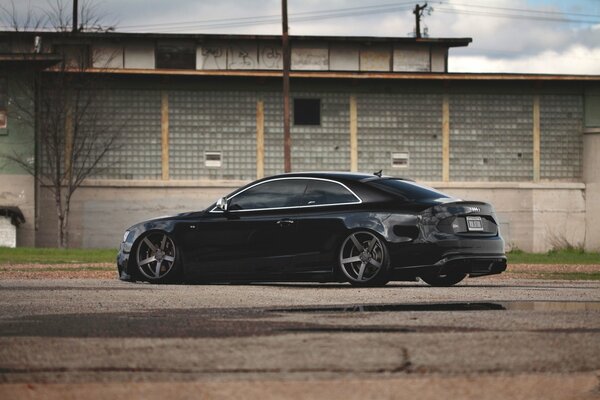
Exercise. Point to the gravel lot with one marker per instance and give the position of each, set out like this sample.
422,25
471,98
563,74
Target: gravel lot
70,336
108,271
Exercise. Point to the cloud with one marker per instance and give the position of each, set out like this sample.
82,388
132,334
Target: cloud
576,59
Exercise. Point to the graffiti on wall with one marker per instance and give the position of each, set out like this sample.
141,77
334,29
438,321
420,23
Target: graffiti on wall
310,58
271,57
212,57
242,56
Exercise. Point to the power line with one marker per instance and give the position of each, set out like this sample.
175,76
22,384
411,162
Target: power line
317,15
377,8
525,10
515,16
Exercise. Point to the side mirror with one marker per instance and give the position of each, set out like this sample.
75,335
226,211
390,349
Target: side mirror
222,204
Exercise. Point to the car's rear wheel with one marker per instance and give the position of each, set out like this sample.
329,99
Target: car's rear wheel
444,280
156,257
364,259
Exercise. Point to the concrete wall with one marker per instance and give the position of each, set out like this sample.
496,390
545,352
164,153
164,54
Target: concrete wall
313,55
101,212
532,216
17,140
591,177
18,191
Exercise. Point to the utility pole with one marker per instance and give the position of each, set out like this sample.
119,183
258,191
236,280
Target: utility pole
287,140
418,11
75,17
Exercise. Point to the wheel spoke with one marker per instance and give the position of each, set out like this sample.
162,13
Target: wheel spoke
375,263
169,258
157,270
361,271
372,244
357,244
150,245
350,259
147,260
162,244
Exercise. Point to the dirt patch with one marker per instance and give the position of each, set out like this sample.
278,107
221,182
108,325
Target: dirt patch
58,271
551,271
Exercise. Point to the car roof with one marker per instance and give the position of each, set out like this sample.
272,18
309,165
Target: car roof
335,175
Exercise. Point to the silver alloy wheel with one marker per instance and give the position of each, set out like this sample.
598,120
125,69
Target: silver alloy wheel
156,255
362,256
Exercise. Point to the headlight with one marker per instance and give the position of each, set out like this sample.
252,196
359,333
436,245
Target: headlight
125,236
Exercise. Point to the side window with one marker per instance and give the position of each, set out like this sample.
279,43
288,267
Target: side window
3,104
323,192
273,194
176,55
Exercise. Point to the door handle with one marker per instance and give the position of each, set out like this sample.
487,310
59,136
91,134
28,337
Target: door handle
285,222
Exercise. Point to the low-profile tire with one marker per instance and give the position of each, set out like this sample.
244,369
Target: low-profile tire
157,259
444,280
364,260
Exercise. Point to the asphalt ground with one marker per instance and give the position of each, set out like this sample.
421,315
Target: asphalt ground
487,338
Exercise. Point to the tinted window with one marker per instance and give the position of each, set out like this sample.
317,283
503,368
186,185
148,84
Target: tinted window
307,112
409,190
323,192
273,194
176,55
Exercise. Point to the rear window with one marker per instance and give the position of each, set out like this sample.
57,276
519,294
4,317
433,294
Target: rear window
408,189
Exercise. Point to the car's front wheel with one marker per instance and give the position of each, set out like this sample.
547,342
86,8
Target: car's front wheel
156,258
444,280
364,259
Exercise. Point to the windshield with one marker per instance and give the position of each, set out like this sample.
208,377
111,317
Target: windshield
409,190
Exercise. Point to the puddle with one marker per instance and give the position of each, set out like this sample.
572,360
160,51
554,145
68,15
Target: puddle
480,306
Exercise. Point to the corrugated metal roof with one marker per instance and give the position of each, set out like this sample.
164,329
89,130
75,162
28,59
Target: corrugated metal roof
447,42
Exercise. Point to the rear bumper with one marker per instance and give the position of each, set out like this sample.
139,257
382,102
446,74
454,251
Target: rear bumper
450,253
469,264
474,266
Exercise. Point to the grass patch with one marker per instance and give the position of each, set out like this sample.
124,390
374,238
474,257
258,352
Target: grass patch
572,256
26,255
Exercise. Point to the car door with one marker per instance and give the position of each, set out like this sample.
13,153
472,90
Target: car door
255,237
321,225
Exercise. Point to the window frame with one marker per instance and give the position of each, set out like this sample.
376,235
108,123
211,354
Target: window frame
216,210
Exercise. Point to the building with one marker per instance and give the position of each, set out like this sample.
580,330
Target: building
202,114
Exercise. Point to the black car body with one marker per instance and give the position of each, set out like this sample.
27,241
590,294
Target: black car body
361,228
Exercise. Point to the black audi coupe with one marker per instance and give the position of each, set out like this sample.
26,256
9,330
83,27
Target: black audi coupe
320,226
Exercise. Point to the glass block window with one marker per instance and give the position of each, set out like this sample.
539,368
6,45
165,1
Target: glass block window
401,123
491,137
134,116
314,147
561,147
274,134
205,123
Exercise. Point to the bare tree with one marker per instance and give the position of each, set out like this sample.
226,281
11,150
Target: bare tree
55,16
62,105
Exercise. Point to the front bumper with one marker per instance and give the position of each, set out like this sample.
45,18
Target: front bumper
122,266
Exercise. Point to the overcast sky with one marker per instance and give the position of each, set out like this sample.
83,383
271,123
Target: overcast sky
528,36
